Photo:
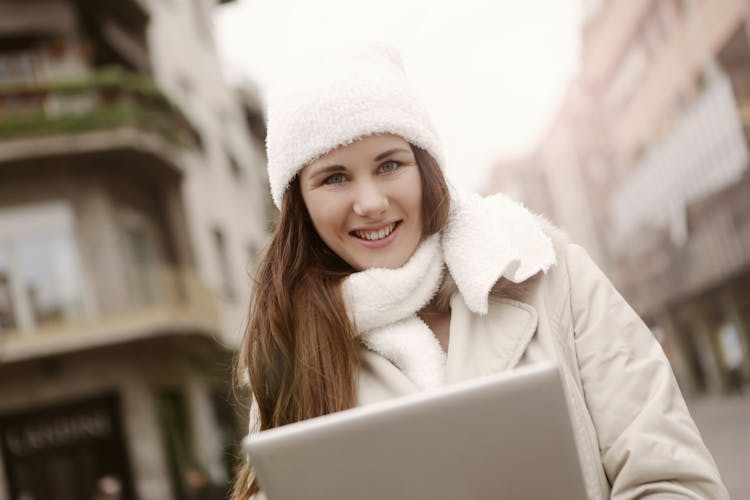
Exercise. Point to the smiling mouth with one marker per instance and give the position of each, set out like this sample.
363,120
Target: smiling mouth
376,235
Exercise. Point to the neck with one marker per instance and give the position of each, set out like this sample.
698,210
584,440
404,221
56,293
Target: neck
438,318
436,307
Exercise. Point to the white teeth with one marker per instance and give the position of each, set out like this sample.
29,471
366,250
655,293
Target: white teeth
376,235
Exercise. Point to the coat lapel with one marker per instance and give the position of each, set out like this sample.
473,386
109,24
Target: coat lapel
379,379
491,343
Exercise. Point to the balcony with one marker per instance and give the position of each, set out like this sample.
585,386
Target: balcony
164,302
680,218
110,110
704,153
658,273
114,31
36,17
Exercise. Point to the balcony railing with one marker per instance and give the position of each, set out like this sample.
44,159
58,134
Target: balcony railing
660,273
704,153
107,99
162,301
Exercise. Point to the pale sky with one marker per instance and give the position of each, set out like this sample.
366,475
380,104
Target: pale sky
491,72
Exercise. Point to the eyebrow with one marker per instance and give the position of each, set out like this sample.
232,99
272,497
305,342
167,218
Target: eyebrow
386,154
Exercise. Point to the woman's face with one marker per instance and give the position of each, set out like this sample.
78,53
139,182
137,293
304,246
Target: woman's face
365,201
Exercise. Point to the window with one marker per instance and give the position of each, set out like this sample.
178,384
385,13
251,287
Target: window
174,421
40,278
680,7
185,84
591,8
229,432
653,30
234,166
47,269
7,318
201,16
731,346
17,69
222,258
143,276
627,77
253,259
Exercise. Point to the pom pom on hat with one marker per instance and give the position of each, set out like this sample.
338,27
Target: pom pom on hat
330,98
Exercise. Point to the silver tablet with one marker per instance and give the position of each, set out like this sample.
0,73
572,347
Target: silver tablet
504,436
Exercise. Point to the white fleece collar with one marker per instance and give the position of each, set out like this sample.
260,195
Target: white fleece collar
485,239
489,238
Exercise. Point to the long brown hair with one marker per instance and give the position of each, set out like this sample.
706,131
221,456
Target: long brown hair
300,351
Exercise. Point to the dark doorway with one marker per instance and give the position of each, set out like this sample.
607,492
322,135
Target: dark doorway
692,353
60,452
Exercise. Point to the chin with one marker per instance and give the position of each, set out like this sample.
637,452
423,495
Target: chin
387,263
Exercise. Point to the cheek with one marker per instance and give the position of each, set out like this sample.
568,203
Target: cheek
412,197
416,204
326,212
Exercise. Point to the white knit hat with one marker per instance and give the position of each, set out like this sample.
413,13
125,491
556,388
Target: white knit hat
331,98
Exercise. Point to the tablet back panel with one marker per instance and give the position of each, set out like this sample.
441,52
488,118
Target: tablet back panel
505,436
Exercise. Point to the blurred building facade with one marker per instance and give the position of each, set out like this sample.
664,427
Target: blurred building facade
132,206
646,164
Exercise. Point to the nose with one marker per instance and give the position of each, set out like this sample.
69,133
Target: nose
370,200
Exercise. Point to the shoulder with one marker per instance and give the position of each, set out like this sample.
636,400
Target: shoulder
558,237
563,290
574,267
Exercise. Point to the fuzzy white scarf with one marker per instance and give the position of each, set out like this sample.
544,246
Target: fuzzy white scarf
485,239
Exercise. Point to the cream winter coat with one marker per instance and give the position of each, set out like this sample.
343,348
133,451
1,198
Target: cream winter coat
634,434
550,302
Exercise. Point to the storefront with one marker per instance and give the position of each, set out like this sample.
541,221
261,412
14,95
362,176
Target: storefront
138,415
61,452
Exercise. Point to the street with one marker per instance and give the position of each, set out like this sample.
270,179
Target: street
724,423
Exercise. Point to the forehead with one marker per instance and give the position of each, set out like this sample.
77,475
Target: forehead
366,148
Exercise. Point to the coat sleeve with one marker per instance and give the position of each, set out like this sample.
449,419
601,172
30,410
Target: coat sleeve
649,444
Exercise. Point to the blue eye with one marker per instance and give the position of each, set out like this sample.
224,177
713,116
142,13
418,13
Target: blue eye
334,179
389,166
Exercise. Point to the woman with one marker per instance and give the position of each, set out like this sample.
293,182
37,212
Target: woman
378,282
